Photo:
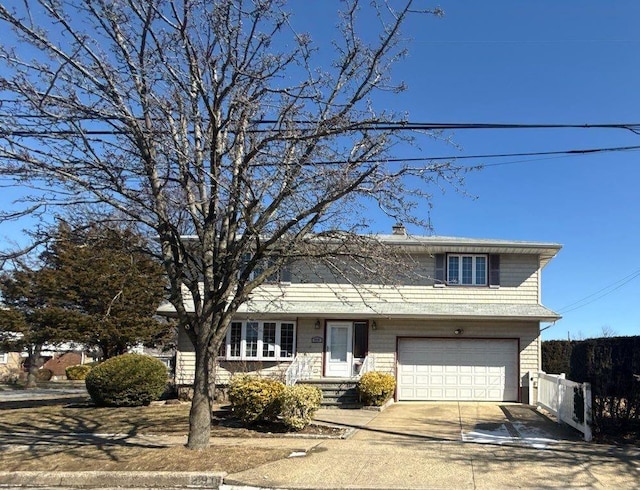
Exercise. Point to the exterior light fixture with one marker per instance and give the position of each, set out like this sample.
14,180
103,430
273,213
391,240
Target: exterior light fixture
374,325
458,331
317,325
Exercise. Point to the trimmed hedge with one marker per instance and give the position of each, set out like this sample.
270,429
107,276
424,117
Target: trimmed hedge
129,380
375,388
254,399
556,356
78,372
297,404
611,366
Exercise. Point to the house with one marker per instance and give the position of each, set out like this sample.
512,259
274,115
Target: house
466,327
10,366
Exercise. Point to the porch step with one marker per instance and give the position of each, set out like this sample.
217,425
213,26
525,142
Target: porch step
338,393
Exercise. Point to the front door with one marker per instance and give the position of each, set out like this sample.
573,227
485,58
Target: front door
339,354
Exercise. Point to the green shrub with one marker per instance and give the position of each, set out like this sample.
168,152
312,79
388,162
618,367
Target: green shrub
44,374
376,388
297,404
129,380
254,399
77,372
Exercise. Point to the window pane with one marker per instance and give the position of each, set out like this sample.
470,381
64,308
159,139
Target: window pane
269,339
467,270
252,339
286,340
236,337
452,276
481,270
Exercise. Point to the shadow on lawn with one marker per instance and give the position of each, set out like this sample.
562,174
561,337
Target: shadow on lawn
72,426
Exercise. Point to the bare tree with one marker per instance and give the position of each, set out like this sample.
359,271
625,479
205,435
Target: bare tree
213,119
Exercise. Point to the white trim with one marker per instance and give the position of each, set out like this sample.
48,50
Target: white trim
4,357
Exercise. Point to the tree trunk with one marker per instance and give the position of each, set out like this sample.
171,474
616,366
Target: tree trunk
200,414
35,363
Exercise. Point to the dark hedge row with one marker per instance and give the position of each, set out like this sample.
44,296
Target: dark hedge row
612,366
556,355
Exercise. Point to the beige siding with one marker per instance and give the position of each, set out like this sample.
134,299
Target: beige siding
518,285
382,346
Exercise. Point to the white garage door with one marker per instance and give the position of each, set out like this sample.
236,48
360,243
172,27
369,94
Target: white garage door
457,369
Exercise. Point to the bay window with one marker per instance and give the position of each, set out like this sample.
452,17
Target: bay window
260,340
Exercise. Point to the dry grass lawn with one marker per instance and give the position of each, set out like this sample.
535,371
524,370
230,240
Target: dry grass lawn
63,436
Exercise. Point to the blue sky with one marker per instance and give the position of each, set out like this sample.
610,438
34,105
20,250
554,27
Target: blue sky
575,62
537,62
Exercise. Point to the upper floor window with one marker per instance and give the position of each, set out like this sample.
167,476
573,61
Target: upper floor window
260,340
467,270
4,358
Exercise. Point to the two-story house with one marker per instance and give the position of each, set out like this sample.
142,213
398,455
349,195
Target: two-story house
466,328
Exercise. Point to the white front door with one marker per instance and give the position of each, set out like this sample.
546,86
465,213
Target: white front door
339,355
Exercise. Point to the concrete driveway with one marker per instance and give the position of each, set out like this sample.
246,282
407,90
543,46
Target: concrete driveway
456,445
494,423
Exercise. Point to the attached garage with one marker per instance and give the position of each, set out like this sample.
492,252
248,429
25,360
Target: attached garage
458,369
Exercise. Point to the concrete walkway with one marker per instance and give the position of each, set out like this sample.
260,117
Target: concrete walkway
458,445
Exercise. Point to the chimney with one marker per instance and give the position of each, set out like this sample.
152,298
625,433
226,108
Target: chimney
399,229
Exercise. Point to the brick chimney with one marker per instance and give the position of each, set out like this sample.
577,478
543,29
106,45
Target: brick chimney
399,229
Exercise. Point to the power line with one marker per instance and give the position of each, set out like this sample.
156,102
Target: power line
601,293
348,126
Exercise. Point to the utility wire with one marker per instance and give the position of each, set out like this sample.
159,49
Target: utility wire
601,293
348,126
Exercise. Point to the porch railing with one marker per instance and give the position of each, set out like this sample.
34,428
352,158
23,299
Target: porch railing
299,369
569,401
368,364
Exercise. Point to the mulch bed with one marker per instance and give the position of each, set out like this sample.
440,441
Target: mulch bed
225,424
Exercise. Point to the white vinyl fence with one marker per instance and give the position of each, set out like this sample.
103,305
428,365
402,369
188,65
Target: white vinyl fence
569,401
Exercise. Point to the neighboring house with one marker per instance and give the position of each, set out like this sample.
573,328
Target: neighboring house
10,366
467,328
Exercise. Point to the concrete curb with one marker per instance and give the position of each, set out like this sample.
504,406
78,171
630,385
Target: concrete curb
101,479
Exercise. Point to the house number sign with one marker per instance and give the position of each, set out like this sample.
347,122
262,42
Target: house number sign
316,340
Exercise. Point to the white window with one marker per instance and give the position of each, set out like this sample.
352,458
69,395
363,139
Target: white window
260,340
4,357
467,270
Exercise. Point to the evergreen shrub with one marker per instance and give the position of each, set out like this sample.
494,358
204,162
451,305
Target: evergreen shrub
612,366
297,404
77,372
129,380
44,374
556,356
375,388
255,399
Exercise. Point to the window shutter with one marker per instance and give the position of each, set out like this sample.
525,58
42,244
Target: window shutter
285,274
439,277
494,270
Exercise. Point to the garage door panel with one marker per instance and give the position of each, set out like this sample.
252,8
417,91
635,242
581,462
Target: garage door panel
456,369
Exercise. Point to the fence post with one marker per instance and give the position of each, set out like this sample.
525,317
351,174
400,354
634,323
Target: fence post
560,396
530,377
586,394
